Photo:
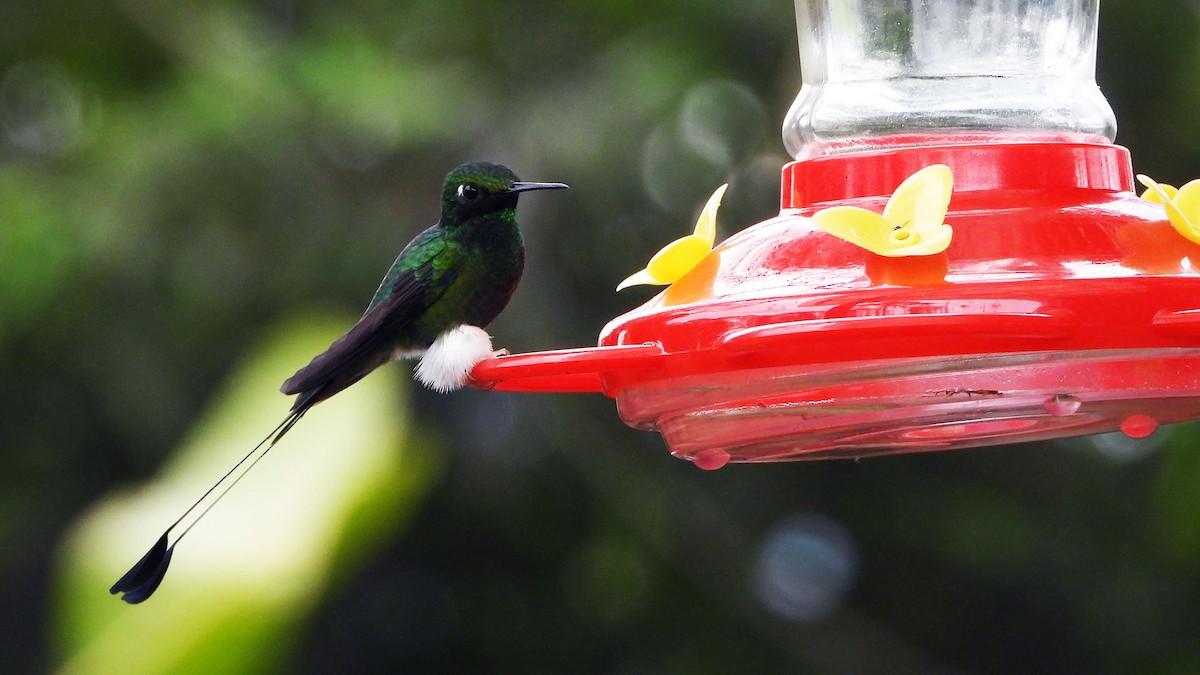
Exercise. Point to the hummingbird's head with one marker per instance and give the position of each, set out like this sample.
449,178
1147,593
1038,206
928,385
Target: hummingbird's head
481,188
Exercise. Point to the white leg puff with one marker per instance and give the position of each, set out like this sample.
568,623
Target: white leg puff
445,366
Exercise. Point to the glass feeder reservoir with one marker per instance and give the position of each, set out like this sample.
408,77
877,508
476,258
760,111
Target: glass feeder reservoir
1062,305
892,73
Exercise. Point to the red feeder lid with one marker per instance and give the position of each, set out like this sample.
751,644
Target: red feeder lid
1064,306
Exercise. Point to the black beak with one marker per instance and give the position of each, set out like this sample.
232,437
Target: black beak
523,186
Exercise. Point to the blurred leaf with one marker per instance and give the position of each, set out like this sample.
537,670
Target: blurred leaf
37,249
1176,520
243,581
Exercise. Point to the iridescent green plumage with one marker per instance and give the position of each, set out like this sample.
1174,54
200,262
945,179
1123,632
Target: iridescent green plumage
460,272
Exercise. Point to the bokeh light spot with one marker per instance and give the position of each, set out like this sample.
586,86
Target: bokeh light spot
806,568
42,109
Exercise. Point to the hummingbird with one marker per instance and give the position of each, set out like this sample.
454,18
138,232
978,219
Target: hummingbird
445,287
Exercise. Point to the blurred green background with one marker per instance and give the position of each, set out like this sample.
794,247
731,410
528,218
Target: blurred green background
194,197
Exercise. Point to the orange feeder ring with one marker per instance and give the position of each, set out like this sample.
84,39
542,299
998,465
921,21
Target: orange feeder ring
1064,306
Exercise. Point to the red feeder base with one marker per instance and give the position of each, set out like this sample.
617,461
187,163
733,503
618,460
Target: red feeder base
1064,306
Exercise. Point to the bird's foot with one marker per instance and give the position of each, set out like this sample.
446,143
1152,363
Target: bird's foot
486,386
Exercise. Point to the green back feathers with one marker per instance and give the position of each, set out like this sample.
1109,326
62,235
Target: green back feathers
472,194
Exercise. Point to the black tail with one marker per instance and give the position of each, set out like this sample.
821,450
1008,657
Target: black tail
143,578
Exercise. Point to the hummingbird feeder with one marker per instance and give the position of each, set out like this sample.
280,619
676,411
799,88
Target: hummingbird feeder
1014,288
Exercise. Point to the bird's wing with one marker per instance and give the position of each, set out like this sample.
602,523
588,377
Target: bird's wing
367,345
423,250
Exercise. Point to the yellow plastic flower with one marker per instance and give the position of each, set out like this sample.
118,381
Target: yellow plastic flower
913,221
1182,205
679,257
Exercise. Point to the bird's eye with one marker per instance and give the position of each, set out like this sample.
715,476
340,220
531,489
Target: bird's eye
468,192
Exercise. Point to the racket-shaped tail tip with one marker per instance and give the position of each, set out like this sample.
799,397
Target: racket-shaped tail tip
143,578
